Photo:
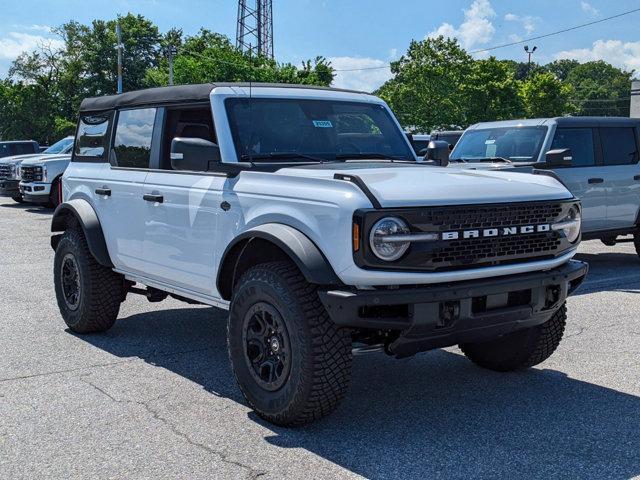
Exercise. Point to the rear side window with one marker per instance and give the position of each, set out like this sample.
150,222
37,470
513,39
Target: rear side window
580,141
92,139
23,148
619,146
132,143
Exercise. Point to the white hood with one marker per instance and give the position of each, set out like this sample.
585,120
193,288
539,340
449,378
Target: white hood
47,159
399,185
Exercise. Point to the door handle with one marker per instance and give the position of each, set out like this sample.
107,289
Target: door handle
596,180
153,198
103,191
637,177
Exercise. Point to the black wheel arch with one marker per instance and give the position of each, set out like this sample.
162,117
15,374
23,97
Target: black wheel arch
79,212
272,242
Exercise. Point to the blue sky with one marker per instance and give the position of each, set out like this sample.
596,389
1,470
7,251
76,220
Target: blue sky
360,34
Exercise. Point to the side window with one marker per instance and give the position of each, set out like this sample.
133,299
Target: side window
132,143
92,139
580,141
619,146
187,122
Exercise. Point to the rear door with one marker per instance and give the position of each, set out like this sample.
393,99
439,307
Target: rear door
118,194
182,209
620,158
585,178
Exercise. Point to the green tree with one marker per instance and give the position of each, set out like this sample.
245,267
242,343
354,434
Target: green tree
490,91
543,95
600,89
425,90
561,68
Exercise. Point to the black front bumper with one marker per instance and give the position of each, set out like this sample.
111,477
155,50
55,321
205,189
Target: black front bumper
9,188
447,314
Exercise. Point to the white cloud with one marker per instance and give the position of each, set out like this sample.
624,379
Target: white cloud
375,73
618,53
528,22
15,43
476,29
588,8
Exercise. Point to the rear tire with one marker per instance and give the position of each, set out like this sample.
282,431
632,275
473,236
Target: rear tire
521,349
88,294
292,363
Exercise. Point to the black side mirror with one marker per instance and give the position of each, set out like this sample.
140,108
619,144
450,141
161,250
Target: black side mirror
194,154
438,152
561,157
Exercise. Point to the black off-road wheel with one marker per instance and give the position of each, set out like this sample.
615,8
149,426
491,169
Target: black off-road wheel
519,350
88,294
292,363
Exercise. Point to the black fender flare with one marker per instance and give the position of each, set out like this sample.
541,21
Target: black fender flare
85,216
296,245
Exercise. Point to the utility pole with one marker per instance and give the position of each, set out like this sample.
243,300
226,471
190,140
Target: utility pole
171,52
119,46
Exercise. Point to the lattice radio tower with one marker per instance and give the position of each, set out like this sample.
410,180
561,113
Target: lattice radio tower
254,33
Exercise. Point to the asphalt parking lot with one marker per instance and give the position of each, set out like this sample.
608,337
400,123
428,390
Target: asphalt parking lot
155,398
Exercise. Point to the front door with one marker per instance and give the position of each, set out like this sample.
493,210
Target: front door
586,176
182,210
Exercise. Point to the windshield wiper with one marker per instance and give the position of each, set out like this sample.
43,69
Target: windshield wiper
372,155
281,156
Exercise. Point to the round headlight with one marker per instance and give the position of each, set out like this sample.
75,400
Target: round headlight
571,224
382,240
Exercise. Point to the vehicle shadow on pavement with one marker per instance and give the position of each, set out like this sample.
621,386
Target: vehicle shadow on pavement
435,414
610,272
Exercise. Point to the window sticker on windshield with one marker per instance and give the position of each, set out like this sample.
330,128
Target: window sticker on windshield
322,124
489,142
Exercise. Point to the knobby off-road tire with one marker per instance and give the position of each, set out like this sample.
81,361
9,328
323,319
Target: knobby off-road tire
312,356
88,294
521,349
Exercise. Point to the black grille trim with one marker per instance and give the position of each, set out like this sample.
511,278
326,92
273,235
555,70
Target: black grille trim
5,172
30,174
460,254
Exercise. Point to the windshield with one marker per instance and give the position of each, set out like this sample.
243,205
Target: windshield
314,130
61,146
517,144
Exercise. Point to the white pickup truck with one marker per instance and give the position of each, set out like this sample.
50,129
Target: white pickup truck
305,213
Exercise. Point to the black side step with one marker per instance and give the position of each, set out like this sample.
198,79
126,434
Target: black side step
356,180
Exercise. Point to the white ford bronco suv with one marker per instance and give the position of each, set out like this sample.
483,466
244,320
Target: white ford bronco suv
306,214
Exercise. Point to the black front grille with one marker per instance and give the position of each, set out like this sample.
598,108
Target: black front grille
460,253
5,172
31,174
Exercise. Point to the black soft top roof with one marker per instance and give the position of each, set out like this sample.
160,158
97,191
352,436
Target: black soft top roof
175,94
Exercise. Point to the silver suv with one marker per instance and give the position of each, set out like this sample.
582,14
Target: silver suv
595,157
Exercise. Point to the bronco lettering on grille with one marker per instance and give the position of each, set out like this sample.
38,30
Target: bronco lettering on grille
496,232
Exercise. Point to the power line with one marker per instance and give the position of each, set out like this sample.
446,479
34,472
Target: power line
520,42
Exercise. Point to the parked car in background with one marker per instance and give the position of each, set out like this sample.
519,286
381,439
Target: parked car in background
18,147
306,213
449,136
595,157
40,174
420,142
10,166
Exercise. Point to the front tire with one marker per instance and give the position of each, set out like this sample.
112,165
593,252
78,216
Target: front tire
88,294
292,363
18,199
522,349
